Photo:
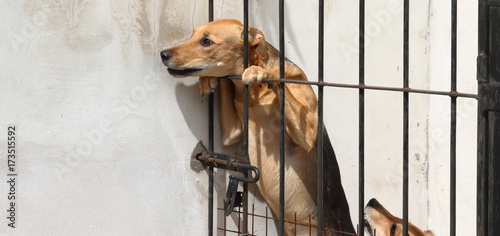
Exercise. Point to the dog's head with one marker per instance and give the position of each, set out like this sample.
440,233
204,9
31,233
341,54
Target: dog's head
380,222
215,49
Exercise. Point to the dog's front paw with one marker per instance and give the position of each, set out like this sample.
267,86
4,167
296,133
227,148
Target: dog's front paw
254,73
207,85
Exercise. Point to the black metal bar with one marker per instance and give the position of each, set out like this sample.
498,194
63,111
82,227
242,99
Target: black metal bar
210,143
239,222
494,3
253,219
245,116
210,168
494,44
282,116
244,229
482,172
482,131
361,136
369,87
453,45
210,10
483,41
493,118
267,222
321,31
453,117
405,113
245,34
493,173
245,91
453,165
310,225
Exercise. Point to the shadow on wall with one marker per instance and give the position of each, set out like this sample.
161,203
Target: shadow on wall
195,118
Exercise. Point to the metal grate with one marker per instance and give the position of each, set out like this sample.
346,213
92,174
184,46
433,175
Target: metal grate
268,220
361,87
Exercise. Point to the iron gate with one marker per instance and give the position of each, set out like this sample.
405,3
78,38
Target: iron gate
488,209
488,75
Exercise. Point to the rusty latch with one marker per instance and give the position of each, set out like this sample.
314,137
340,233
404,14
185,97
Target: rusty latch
219,160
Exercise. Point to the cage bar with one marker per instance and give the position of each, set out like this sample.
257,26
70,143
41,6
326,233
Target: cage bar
482,119
245,90
210,143
282,115
253,218
245,118
406,24
369,87
321,30
453,119
361,136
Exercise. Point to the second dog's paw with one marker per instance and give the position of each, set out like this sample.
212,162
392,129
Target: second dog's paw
253,73
207,85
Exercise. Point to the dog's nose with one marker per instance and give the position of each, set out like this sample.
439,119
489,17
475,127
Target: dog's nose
165,55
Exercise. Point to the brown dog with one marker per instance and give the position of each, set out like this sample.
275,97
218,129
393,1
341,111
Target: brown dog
380,222
216,50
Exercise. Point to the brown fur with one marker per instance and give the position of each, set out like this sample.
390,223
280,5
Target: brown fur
222,55
381,221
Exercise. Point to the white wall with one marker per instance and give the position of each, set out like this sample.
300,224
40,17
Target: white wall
104,134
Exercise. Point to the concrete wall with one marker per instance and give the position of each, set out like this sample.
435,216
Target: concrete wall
104,134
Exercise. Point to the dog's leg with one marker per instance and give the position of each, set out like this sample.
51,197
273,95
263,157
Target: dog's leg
301,109
232,128
207,85
300,104
229,120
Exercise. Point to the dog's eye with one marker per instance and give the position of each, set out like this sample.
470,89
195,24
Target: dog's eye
205,42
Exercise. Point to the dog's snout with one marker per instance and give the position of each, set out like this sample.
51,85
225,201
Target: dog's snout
165,55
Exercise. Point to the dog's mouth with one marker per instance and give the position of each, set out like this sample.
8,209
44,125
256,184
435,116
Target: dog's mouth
183,72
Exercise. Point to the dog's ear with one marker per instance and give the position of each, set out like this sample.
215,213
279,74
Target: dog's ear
257,41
